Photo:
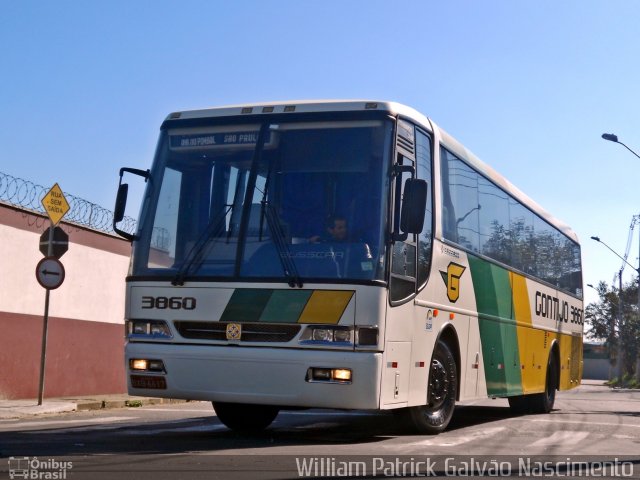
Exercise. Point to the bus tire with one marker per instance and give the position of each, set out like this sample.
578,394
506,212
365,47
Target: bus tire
441,394
543,402
245,418
538,402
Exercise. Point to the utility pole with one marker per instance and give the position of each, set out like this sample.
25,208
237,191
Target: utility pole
610,137
637,220
619,362
620,359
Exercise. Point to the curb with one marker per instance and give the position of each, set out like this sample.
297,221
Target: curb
129,402
19,409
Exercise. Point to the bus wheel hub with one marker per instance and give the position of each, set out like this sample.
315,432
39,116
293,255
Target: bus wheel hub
438,384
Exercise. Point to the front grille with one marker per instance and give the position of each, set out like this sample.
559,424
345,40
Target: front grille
251,332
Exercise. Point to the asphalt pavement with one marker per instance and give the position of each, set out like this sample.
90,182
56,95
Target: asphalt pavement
11,409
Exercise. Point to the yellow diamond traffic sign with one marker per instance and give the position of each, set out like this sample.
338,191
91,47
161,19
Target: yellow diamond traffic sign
55,204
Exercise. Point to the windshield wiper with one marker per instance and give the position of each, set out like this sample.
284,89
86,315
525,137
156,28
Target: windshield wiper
282,249
281,246
202,247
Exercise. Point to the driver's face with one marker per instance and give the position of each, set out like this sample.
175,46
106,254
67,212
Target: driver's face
339,230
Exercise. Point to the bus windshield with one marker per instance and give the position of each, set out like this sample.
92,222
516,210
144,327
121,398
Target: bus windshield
292,201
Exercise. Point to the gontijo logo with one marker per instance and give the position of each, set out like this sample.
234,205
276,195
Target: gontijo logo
452,280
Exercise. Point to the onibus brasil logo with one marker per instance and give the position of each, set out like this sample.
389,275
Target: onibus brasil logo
33,468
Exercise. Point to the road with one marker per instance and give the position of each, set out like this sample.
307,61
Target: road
186,440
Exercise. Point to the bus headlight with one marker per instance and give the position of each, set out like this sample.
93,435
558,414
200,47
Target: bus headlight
342,335
338,335
148,329
322,334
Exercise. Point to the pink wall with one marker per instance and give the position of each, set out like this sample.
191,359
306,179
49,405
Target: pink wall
85,350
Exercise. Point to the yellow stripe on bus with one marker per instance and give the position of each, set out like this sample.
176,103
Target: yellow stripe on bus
531,342
325,306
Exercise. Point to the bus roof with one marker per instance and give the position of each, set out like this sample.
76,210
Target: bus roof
393,108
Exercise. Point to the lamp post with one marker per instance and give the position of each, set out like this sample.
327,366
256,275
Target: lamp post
614,138
611,137
637,270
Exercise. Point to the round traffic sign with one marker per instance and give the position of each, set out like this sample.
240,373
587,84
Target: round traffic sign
50,273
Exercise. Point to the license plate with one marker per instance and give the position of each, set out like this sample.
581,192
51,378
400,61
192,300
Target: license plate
143,381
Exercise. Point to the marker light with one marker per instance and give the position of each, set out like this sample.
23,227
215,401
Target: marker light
367,336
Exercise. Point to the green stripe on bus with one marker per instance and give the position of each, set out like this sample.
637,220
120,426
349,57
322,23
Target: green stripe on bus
498,333
285,306
246,305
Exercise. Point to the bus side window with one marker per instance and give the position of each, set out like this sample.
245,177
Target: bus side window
403,253
449,230
425,239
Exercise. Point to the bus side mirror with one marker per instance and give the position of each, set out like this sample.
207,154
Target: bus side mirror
414,203
121,201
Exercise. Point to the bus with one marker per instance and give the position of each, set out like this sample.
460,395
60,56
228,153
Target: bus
342,255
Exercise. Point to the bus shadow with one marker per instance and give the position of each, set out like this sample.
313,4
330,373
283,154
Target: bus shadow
206,434
469,416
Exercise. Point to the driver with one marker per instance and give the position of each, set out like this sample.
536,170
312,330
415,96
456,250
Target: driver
337,230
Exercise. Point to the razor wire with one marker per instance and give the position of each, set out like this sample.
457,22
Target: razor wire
28,195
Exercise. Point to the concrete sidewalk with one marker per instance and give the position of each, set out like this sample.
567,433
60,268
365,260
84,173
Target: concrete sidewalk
13,409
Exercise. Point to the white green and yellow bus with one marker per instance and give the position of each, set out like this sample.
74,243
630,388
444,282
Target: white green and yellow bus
343,255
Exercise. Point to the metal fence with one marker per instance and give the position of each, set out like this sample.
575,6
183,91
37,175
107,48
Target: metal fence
28,195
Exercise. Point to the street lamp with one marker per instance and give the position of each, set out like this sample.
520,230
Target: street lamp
637,270
614,138
611,137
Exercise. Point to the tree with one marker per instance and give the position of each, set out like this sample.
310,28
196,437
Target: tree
601,318
617,323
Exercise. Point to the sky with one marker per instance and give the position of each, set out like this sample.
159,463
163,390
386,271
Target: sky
528,86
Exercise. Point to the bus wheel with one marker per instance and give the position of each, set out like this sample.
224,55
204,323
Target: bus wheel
543,402
539,402
245,418
441,395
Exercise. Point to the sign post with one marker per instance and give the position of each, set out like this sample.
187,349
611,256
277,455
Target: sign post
50,272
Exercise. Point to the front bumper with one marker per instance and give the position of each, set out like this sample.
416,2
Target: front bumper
256,375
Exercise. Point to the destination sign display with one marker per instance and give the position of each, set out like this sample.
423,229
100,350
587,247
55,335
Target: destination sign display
205,140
